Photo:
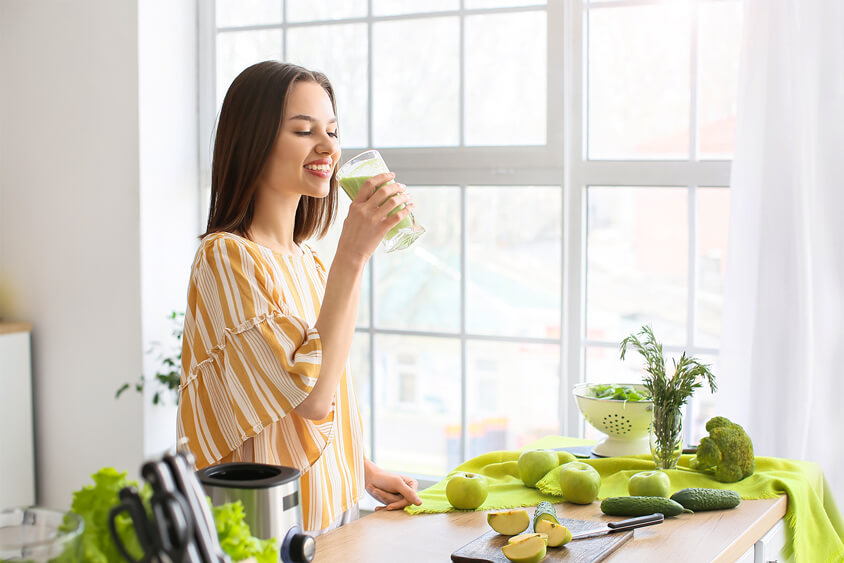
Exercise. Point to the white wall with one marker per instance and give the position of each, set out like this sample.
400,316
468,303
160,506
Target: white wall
98,184
69,227
167,55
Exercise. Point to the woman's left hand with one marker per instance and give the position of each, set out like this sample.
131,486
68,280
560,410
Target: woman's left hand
393,490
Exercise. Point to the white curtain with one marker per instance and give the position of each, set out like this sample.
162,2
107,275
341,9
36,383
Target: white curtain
781,373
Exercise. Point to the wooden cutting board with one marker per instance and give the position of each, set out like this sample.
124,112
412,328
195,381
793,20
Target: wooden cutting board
487,548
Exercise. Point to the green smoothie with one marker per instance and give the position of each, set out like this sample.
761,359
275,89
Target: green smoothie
352,176
352,185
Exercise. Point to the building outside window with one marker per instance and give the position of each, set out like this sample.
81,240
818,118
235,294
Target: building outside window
570,163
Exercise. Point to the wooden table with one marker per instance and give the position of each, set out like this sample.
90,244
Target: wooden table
397,537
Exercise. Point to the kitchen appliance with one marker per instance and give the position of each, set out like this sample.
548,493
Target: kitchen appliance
180,527
38,535
270,498
625,423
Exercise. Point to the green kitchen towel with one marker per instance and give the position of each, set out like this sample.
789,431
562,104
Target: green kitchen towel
816,531
506,490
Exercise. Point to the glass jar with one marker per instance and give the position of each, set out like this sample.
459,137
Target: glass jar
666,437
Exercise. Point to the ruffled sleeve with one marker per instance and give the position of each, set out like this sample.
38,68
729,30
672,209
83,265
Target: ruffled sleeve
246,360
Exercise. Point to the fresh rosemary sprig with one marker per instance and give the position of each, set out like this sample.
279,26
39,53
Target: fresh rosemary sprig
669,393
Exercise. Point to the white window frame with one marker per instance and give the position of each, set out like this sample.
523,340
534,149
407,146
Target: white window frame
561,162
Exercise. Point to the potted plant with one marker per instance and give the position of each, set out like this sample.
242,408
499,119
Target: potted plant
670,394
169,368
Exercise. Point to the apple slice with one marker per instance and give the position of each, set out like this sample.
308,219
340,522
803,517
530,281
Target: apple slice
523,537
529,550
509,522
557,533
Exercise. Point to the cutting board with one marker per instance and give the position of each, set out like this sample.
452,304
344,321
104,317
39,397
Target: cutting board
487,548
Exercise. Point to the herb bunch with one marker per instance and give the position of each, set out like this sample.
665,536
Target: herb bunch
669,393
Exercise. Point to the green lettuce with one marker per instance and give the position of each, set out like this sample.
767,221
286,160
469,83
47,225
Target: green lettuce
236,539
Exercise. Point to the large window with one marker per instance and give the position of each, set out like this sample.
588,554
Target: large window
564,159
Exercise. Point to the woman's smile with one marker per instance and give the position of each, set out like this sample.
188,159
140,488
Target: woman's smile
322,167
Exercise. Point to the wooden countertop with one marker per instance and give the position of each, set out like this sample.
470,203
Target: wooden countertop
389,537
7,327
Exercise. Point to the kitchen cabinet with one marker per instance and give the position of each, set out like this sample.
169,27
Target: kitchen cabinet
17,443
716,536
771,546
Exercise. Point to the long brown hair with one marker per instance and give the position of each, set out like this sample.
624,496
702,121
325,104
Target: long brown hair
249,123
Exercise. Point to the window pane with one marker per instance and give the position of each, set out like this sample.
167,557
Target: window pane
419,288
702,405
417,381
513,261
511,111
237,50
308,10
637,261
415,98
339,51
713,212
359,359
394,7
638,82
247,12
472,4
718,59
512,394
327,247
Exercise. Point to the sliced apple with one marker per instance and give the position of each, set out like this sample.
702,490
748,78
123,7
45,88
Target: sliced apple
509,522
557,533
523,537
529,550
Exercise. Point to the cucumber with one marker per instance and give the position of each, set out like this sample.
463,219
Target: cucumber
697,499
544,511
641,506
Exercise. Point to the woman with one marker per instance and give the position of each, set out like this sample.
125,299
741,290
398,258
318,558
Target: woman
265,373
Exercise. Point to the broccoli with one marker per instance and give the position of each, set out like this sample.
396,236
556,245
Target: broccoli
727,450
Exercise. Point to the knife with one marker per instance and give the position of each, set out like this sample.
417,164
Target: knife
629,524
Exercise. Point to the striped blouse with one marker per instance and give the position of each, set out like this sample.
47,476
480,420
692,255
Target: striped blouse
250,354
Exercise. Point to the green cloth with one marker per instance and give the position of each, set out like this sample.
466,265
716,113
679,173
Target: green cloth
814,524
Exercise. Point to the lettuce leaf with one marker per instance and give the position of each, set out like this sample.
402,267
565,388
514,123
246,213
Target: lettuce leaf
236,539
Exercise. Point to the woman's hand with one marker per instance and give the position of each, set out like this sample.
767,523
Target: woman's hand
368,220
391,489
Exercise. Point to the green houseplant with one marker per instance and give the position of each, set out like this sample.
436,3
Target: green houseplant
169,368
670,394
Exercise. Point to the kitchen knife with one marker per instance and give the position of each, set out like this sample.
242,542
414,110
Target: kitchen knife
629,524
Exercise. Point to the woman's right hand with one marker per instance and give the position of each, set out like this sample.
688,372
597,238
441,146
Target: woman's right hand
369,216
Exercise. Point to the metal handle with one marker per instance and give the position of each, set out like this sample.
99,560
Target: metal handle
638,522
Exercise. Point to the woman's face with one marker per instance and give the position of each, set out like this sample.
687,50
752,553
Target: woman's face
306,149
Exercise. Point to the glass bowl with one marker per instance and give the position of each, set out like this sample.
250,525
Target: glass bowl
39,535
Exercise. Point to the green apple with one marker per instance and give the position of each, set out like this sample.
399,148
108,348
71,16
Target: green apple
557,533
579,482
466,491
530,550
649,484
534,464
523,537
509,522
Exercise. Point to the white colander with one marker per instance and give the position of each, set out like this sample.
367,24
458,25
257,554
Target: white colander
625,423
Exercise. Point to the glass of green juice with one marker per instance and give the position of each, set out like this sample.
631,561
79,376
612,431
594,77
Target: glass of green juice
358,170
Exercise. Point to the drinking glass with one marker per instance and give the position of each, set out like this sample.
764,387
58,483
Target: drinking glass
358,170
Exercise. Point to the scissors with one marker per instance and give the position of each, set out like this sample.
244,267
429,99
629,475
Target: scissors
163,537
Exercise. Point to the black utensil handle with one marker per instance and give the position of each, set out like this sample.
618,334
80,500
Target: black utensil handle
112,527
638,522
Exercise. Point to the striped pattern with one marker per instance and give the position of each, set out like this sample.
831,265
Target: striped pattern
250,354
